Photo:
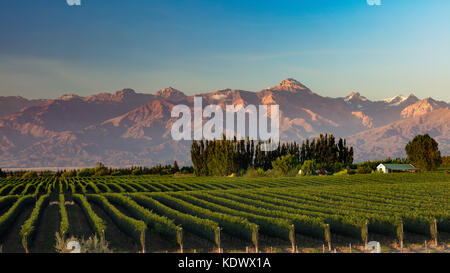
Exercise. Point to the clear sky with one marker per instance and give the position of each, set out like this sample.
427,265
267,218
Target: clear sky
48,48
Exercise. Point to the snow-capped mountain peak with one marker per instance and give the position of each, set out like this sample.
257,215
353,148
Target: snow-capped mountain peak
395,100
355,96
69,97
290,85
171,94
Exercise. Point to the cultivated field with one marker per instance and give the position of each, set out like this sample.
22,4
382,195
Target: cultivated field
405,212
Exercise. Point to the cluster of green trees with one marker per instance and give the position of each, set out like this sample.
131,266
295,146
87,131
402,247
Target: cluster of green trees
26,174
322,155
102,170
227,156
324,149
423,152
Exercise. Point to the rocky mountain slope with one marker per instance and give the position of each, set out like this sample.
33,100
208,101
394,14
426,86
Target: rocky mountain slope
11,105
129,128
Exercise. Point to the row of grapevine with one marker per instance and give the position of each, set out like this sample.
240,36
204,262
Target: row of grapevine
341,222
7,201
28,229
4,190
10,216
275,227
21,186
160,224
303,224
236,226
202,227
384,219
168,184
135,228
95,221
64,224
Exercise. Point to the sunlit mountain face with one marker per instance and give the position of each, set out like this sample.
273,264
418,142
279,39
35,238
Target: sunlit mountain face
131,128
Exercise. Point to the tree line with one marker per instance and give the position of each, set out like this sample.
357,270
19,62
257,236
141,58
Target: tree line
227,156
101,170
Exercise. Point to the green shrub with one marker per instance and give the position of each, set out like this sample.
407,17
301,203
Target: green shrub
309,167
251,173
86,172
68,174
364,170
285,164
343,172
100,170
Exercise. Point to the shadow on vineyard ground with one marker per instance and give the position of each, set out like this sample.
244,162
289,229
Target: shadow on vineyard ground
418,239
309,244
119,241
44,239
4,210
192,241
155,243
78,223
11,241
231,243
413,238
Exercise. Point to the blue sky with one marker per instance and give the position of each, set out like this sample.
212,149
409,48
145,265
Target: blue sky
48,48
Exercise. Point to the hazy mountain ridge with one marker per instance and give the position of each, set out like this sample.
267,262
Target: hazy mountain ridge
390,140
126,128
13,104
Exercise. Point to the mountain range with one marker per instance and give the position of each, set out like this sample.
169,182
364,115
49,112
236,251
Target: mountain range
129,128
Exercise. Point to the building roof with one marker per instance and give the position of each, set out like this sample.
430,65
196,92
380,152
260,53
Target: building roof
400,166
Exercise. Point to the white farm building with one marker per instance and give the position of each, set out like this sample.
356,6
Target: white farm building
397,168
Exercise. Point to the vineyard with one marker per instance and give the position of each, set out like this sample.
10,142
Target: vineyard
192,214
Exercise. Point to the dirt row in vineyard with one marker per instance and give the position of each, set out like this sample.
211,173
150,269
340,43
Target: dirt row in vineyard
78,223
11,240
118,240
44,239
